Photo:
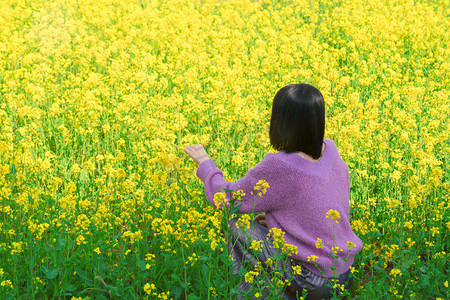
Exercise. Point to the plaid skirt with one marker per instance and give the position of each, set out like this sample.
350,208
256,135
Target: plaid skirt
239,243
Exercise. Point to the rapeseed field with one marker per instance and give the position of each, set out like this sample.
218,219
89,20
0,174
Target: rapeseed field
99,98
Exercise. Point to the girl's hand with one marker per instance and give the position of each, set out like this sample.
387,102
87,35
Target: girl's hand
261,219
197,153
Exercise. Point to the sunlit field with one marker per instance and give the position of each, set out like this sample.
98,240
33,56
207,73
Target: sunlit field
99,98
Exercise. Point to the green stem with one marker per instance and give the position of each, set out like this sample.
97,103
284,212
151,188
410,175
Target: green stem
209,280
332,249
184,271
31,270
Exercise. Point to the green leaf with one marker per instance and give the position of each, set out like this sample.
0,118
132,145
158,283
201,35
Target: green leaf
406,265
112,287
184,286
50,273
205,270
100,296
176,291
114,290
141,264
235,209
369,290
82,274
60,244
204,257
70,287
176,277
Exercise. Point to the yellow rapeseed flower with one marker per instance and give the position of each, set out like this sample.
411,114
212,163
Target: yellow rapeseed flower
250,275
350,245
243,222
395,272
150,289
277,236
319,243
256,245
333,215
261,187
312,258
297,270
220,200
7,283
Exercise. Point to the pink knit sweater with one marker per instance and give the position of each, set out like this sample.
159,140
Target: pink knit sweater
301,192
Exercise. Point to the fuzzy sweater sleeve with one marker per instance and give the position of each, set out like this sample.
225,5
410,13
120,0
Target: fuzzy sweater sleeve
214,182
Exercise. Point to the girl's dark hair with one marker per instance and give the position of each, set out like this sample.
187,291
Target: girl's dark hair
298,120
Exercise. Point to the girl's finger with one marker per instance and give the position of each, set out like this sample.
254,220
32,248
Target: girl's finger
259,217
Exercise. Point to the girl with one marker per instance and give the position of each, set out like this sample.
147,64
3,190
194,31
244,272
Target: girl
306,178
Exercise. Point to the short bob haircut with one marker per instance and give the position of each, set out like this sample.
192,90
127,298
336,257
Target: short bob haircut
298,120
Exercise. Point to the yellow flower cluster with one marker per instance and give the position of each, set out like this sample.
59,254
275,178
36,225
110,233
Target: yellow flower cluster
150,289
319,243
277,237
238,195
7,283
312,258
256,245
395,273
250,276
261,187
350,245
213,291
220,200
297,270
333,215
132,236
243,222
16,248
288,249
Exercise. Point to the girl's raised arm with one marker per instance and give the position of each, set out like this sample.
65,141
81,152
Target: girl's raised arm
197,153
